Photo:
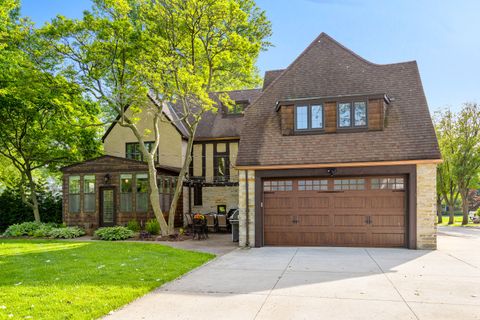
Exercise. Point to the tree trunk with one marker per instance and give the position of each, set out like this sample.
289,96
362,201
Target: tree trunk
464,195
33,197
439,210
181,178
154,196
451,213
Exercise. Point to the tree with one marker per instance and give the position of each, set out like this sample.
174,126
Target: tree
44,119
459,139
132,52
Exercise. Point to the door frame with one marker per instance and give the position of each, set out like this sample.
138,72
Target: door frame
409,171
101,189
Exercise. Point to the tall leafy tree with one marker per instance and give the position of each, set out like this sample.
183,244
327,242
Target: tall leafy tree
128,53
459,139
44,119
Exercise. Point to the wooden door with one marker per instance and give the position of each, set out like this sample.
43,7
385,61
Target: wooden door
107,207
334,212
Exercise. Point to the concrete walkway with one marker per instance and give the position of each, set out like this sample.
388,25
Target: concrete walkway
326,283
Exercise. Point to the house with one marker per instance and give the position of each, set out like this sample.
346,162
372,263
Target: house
334,150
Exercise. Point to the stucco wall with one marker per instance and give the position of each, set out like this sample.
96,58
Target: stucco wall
171,143
426,206
246,240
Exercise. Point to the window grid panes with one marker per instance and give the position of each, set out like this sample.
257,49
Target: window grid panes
388,183
89,193
133,150
126,188
349,184
74,194
301,117
142,192
360,114
312,185
278,185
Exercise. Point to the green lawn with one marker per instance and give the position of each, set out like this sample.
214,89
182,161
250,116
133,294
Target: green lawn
43,279
458,222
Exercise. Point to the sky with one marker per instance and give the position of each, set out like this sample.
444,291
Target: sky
443,36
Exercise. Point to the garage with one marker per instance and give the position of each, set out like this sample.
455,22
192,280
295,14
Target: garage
344,211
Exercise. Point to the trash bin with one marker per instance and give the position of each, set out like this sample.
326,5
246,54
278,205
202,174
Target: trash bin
234,223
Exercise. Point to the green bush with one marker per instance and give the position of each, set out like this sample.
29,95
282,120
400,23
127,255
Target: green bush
113,233
43,231
66,233
14,210
22,229
152,226
133,225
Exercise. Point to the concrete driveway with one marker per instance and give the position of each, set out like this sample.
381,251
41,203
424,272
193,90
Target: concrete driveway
327,283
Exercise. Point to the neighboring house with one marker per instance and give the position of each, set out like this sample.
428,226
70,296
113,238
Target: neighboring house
334,150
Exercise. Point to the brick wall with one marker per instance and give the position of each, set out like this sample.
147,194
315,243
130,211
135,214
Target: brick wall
426,206
212,197
242,197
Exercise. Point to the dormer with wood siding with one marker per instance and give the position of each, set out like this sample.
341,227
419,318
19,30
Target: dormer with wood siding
322,115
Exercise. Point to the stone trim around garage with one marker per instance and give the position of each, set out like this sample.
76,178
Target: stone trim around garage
247,230
426,206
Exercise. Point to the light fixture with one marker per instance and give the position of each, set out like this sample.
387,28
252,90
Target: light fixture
106,179
332,171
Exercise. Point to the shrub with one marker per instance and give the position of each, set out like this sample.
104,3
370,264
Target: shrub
113,233
66,233
22,229
43,231
152,226
14,210
133,225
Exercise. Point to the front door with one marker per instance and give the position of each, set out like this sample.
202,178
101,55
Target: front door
107,207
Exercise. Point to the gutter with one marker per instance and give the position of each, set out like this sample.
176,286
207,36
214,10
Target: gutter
247,211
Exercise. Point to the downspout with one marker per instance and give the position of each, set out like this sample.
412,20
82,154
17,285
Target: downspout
247,240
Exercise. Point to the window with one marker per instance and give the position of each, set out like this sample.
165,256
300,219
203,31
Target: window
344,115
197,195
221,162
278,185
348,117
388,183
360,114
317,185
309,117
141,196
74,194
237,108
349,184
89,193
126,188
132,150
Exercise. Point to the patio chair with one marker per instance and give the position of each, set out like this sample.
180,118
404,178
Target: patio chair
211,222
199,229
222,222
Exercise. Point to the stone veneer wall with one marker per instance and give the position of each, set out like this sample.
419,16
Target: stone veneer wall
242,208
211,197
426,206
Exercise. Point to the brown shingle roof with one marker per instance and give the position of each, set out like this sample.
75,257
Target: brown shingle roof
326,68
217,125
271,75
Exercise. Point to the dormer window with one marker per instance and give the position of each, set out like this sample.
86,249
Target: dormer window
352,117
237,108
308,117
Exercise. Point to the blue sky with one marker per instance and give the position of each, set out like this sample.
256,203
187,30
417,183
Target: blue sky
443,36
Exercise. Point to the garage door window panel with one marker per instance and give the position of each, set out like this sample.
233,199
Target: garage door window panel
312,185
278,185
348,184
388,184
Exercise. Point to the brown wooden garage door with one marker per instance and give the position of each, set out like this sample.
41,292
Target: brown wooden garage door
365,211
